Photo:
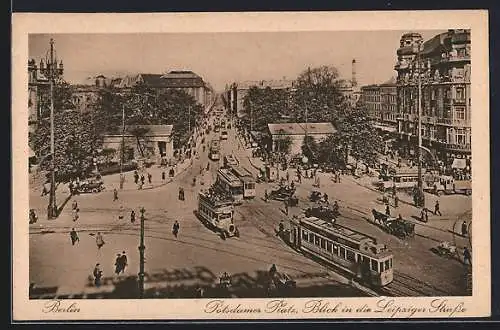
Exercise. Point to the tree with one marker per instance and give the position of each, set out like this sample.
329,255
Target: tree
75,143
262,106
139,132
310,148
355,136
317,89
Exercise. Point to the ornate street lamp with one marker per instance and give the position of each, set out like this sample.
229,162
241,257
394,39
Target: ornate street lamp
53,72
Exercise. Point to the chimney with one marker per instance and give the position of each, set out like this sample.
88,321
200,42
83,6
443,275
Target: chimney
354,82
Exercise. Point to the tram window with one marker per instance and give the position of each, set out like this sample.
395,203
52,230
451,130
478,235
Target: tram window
374,265
350,255
329,246
390,263
382,268
387,265
304,235
335,248
342,252
323,243
311,238
316,240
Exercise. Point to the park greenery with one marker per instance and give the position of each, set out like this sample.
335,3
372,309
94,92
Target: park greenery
78,134
316,97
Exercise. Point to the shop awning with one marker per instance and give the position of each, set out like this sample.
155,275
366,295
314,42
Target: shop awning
459,163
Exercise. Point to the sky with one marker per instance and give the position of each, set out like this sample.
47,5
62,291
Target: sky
223,58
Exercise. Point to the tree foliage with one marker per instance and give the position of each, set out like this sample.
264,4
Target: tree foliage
75,143
310,148
263,106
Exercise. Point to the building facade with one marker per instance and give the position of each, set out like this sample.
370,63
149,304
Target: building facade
370,96
296,132
238,90
38,94
187,81
156,143
443,66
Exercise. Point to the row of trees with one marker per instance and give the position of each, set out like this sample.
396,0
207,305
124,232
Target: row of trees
78,135
317,95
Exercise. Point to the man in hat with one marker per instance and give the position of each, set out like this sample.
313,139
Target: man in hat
118,264
97,275
123,262
74,236
464,228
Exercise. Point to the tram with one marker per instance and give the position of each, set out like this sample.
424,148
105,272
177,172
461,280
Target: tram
230,184
247,180
353,252
217,212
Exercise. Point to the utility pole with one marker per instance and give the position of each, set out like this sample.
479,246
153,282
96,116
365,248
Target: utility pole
141,256
122,147
189,120
52,71
251,116
420,199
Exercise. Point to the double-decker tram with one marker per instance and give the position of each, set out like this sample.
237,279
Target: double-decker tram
217,211
355,253
230,184
247,180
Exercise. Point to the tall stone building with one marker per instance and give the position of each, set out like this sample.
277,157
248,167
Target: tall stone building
186,81
38,93
445,67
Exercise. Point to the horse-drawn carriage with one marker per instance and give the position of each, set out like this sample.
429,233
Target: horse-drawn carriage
398,227
315,196
324,211
282,193
92,185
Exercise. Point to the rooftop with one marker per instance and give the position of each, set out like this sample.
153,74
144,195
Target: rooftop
300,128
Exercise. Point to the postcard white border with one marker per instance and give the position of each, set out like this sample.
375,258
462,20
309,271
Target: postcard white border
23,24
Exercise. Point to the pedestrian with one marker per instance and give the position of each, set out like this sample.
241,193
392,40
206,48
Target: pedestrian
74,236
150,177
71,186
74,205
163,176
387,210
118,264
464,228
299,177
99,240
97,275
142,179
266,196
132,216
467,256
175,228
325,197
76,216
281,228
115,195
286,206
436,209
287,176
396,201
136,177
394,190
426,213
120,213
123,262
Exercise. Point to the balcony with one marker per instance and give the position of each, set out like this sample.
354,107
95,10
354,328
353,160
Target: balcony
459,101
458,147
454,59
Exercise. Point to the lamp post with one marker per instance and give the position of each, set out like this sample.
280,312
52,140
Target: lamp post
141,256
52,71
122,148
420,200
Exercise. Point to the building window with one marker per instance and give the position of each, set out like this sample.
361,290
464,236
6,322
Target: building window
460,93
460,135
433,95
460,113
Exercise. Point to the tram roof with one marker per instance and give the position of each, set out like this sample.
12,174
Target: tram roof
241,171
226,174
348,234
214,201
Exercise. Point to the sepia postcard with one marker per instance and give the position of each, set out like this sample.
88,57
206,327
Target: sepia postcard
305,165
